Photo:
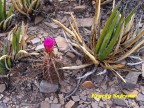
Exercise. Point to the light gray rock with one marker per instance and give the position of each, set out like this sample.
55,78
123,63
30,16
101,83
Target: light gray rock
132,77
45,104
35,40
55,106
94,105
3,105
82,97
46,87
38,19
61,99
140,97
76,98
69,104
55,100
119,102
2,87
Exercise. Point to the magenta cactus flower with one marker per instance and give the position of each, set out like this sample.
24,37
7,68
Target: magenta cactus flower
49,44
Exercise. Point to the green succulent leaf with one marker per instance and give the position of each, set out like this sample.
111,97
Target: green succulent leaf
2,67
108,36
10,11
113,41
106,28
15,41
4,9
1,11
128,18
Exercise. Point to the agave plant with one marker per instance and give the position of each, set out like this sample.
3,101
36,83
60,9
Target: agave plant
116,42
15,48
5,17
26,7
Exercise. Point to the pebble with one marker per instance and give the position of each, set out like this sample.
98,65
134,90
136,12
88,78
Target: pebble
142,89
38,19
45,104
61,43
35,40
55,100
132,77
2,87
94,105
46,87
6,99
52,25
119,102
83,97
76,98
101,104
79,9
1,96
55,105
69,104
3,105
140,97
39,47
61,99
85,22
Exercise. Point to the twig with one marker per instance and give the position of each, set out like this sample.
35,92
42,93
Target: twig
87,74
73,50
80,81
133,64
103,72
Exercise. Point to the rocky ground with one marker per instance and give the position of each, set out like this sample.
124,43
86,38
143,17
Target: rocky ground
25,90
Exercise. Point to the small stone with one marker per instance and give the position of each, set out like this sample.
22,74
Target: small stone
55,100
97,99
140,97
38,19
86,22
61,99
69,104
61,43
46,87
83,97
119,102
79,9
132,77
55,106
6,99
88,84
47,99
71,55
78,62
2,87
51,98
35,40
94,105
45,104
142,89
82,106
143,70
3,105
75,98
128,86
52,25
1,96
133,92
39,47
101,104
